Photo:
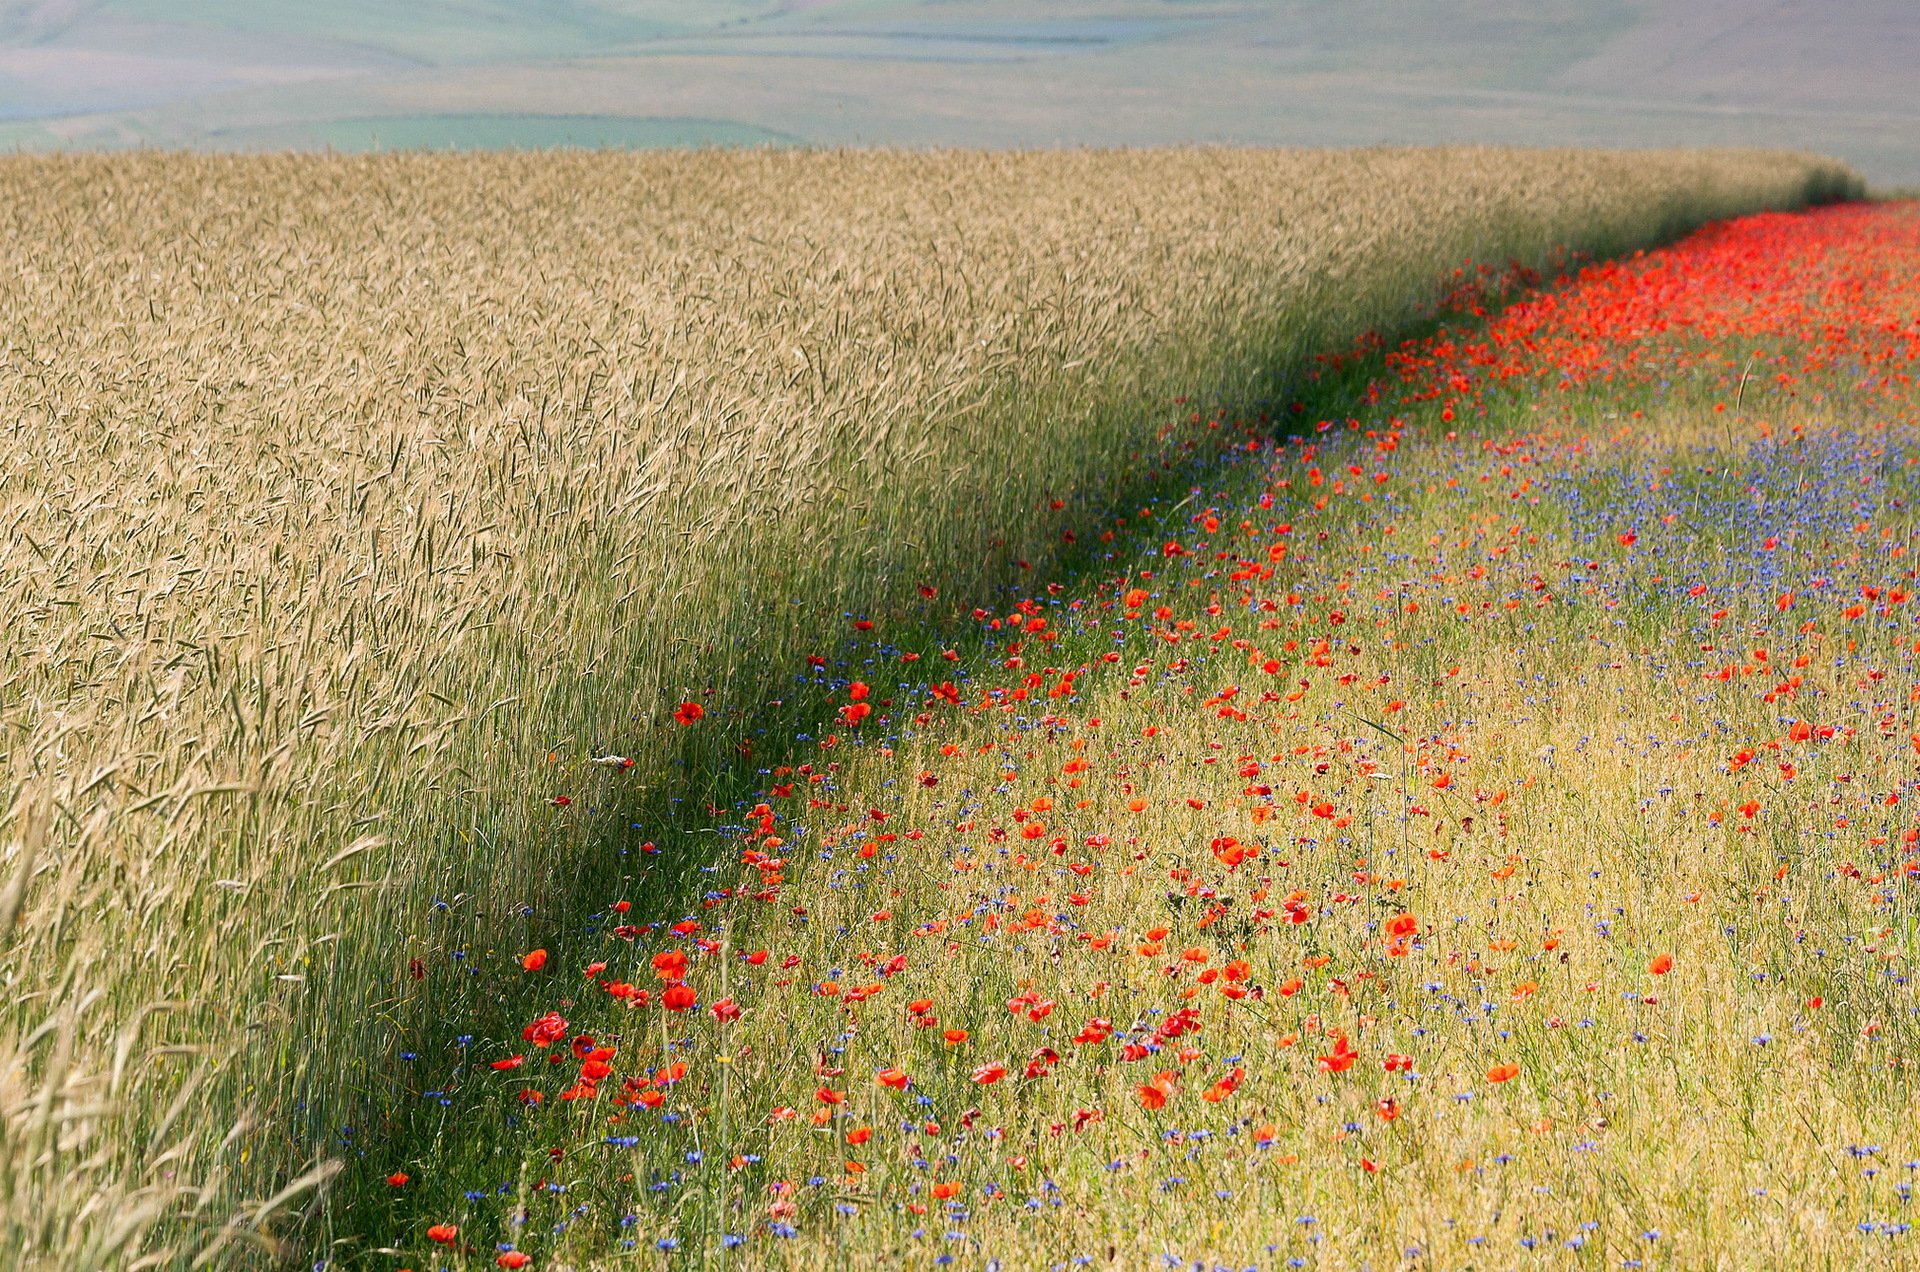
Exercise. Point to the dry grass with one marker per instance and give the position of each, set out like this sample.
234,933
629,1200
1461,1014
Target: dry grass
337,492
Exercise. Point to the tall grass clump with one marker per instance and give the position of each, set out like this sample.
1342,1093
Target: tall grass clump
346,497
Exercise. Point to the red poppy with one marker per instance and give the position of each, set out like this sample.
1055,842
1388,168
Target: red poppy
1342,1058
546,1031
1153,1095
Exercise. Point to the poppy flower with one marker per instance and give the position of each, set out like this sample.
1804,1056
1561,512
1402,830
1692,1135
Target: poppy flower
1225,1087
689,712
1342,1058
546,1031
443,1234
535,961
1503,1072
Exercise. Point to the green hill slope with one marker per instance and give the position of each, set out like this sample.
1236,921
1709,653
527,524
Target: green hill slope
354,74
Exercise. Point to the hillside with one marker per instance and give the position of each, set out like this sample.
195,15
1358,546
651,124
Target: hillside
1833,77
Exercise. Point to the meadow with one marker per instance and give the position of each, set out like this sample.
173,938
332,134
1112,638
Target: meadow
419,569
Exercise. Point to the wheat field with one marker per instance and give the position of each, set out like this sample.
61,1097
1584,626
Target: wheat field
348,500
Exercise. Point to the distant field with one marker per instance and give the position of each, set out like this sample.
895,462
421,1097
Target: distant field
494,132
1834,77
409,555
